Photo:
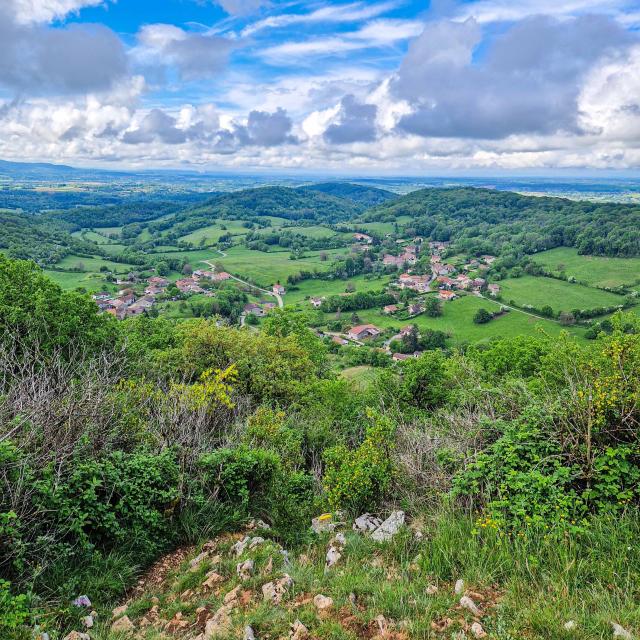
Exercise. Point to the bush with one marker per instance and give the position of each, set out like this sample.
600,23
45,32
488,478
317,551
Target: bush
356,479
482,316
14,611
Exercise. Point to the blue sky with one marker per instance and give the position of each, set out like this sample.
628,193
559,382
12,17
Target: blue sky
379,87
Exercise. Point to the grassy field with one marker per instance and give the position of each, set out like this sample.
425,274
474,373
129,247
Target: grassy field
213,232
319,288
362,376
597,271
457,322
560,295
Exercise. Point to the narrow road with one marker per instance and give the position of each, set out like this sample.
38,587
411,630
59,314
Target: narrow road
277,296
506,306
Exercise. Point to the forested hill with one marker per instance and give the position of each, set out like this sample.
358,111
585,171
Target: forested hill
360,194
484,220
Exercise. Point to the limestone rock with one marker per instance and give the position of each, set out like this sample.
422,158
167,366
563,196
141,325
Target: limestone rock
122,625
211,579
298,631
232,596
620,632
274,591
198,560
389,527
570,625
432,589
87,621
459,588
477,631
467,603
239,547
323,523
322,603
219,624
256,542
75,635
245,569
249,633
366,523
333,556
119,611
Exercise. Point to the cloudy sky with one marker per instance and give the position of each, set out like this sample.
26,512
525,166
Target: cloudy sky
379,87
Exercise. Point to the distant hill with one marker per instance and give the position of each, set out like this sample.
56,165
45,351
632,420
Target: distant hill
486,220
360,194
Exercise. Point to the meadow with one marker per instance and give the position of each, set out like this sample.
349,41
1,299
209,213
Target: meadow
300,293
558,294
597,271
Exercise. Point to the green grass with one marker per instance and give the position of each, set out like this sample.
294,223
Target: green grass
320,288
213,232
362,376
457,321
560,295
597,271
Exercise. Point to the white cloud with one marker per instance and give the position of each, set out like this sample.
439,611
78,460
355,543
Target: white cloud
379,33
352,12
27,11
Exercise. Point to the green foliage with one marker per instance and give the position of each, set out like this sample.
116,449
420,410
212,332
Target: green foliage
482,316
267,429
357,479
425,381
14,611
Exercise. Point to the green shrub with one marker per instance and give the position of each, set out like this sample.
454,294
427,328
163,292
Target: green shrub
356,479
14,610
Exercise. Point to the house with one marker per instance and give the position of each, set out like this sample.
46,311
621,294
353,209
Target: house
268,306
390,309
127,299
444,269
188,285
153,290
101,297
405,331
445,283
415,309
392,261
316,303
157,281
120,313
399,357
488,259
254,309
478,283
463,282
494,289
338,340
417,283
278,289
220,277
363,331
446,295
362,237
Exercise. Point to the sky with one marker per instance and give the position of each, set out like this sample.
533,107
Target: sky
359,87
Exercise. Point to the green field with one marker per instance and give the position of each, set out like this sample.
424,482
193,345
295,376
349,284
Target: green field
597,271
457,321
560,295
214,231
319,288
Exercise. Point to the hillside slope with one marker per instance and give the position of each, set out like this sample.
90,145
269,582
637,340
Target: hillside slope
360,194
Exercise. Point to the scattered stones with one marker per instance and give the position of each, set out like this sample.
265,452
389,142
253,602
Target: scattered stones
431,590
119,611
298,631
389,527
322,603
219,624
256,542
467,603
366,523
570,625
477,631
339,540
249,633
177,623
202,614
232,596
245,569
122,625
323,523
620,632
353,599
258,524
459,588
274,591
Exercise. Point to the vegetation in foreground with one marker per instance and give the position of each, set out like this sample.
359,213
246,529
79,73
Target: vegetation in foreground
517,461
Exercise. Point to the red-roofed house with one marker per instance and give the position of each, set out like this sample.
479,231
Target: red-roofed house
363,331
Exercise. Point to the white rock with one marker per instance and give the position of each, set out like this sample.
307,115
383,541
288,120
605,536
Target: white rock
219,625
255,542
87,621
620,632
322,603
333,557
477,630
459,588
467,603
239,547
339,540
245,569
274,591
389,527
366,523
323,523
570,625
249,634
122,625
74,635
197,561
298,631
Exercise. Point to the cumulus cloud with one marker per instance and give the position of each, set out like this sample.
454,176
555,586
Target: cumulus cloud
266,129
241,7
28,11
527,81
37,59
356,123
194,55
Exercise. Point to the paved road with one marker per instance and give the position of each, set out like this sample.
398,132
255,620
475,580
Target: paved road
277,296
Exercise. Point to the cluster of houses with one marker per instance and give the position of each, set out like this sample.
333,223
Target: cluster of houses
126,304
260,309
409,256
192,283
